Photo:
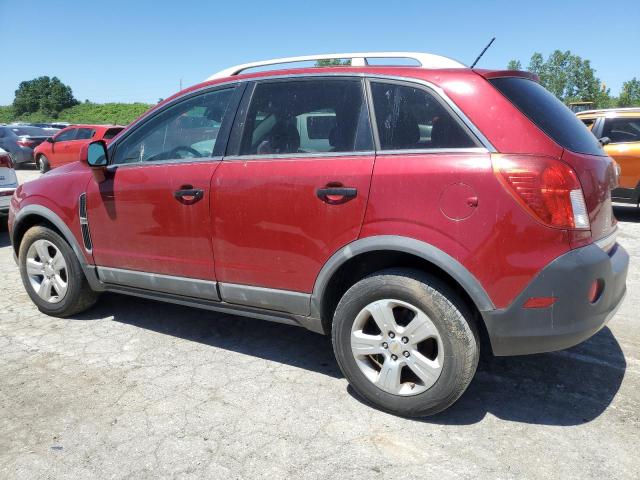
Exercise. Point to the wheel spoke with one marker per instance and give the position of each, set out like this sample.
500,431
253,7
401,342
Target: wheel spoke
43,251
427,370
45,289
419,329
382,314
363,344
58,262
33,267
389,377
59,285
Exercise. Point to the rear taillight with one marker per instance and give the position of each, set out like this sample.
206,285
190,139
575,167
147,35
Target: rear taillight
5,160
547,188
25,142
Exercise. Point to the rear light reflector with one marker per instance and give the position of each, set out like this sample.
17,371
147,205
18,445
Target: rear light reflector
25,142
597,286
545,187
6,193
539,302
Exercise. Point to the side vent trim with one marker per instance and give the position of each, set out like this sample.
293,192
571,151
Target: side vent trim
84,223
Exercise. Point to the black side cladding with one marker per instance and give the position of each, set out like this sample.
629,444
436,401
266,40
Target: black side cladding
84,224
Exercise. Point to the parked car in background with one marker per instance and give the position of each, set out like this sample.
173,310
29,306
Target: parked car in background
8,185
56,126
21,140
405,211
619,131
64,147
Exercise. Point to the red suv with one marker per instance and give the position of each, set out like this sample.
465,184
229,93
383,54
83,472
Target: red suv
407,211
64,147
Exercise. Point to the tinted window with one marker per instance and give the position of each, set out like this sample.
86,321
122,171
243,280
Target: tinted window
622,130
307,117
549,114
30,131
412,118
186,130
84,133
112,132
66,135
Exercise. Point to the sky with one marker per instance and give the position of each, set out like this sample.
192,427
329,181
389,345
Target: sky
140,50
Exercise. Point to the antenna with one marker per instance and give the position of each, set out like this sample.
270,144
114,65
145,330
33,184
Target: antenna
482,53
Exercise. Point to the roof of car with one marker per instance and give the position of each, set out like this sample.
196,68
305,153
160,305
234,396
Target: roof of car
610,112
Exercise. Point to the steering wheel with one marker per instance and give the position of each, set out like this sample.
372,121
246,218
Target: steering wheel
183,148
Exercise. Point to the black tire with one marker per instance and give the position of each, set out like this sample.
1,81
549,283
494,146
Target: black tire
42,163
452,319
79,295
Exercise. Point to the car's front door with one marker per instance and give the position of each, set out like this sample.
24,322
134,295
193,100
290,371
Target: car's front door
72,148
60,146
284,200
150,217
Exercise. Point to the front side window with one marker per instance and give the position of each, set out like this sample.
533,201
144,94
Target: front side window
84,133
186,130
309,116
66,135
622,130
410,118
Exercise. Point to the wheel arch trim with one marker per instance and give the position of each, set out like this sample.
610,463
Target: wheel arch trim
63,228
418,248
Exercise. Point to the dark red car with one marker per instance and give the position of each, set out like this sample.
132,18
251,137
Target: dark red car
64,147
406,211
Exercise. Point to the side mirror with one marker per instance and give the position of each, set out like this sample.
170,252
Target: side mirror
604,141
50,140
96,154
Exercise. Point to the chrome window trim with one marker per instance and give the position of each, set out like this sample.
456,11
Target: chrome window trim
299,155
117,166
370,76
427,151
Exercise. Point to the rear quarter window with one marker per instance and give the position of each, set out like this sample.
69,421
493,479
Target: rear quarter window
549,114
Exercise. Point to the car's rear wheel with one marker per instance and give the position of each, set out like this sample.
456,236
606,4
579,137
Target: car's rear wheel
52,275
405,342
43,164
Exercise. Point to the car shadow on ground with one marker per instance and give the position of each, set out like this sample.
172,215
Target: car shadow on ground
561,388
627,213
5,241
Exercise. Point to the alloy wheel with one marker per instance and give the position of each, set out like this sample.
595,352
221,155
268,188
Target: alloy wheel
47,271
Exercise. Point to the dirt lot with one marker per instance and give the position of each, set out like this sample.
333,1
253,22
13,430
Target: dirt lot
140,389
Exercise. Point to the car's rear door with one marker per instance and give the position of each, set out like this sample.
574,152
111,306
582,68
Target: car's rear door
149,219
72,148
282,204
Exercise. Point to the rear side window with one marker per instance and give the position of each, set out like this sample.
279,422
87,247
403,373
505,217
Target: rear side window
410,118
84,134
622,130
549,114
112,132
310,116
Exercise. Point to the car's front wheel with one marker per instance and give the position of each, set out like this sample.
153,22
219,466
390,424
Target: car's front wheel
43,164
52,275
405,342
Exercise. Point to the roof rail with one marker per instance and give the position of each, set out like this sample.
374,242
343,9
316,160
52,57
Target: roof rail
611,110
426,60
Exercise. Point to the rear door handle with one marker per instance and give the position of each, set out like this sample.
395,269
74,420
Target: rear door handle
187,195
337,195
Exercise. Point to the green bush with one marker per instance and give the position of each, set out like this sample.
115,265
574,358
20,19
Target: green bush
106,113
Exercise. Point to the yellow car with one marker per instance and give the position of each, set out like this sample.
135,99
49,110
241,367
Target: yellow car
619,132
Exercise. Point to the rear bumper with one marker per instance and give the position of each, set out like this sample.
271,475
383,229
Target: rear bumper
572,318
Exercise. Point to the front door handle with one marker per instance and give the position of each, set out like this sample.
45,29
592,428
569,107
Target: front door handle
187,195
336,195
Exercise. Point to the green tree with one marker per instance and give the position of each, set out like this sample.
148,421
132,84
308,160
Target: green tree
43,94
514,65
333,62
630,94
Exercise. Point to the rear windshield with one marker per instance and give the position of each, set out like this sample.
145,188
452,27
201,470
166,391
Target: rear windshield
30,131
549,114
112,132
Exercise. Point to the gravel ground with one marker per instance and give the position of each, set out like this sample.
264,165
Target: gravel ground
137,389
